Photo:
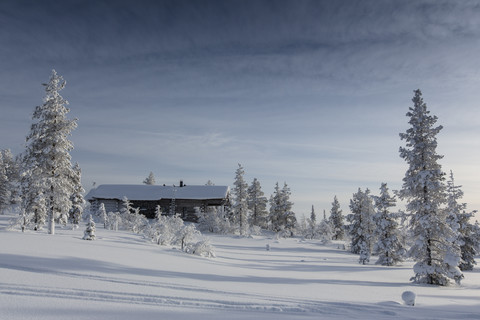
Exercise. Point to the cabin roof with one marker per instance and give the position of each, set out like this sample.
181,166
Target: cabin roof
154,192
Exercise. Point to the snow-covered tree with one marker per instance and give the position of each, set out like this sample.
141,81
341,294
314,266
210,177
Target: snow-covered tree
4,190
240,198
310,231
362,225
336,220
113,220
282,218
127,214
102,215
47,154
434,249
389,245
325,230
12,167
9,179
150,180
257,204
77,197
459,220
89,233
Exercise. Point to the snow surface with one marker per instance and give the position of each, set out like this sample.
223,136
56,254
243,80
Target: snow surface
154,192
121,276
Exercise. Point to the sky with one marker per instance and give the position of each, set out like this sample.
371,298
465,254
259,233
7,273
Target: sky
309,93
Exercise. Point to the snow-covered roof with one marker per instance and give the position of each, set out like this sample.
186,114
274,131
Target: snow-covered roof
153,192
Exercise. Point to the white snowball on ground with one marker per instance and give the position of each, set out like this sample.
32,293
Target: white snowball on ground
409,298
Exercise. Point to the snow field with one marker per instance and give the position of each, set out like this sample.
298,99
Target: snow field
122,276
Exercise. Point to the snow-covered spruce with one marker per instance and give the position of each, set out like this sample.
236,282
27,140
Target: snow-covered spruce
435,250
459,220
9,179
76,198
389,245
336,220
150,180
282,218
325,230
89,233
101,215
362,225
240,204
257,204
48,169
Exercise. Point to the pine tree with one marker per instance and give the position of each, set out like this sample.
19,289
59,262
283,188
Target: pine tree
389,243
257,204
48,157
459,220
336,220
436,255
240,197
362,225
150,180
77,197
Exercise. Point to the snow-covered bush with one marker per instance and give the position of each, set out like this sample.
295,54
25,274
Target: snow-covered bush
324,231
213,220
113,220
202,248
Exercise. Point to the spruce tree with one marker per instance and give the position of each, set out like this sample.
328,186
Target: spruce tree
282,217
240,197
311,225
325,230
276,209
434,249
48,159
150,180
336,219
362,225
12,170
257,204
77,197
89,233
459,220
389,246
4,190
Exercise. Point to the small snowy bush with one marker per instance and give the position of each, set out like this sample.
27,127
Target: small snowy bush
202,248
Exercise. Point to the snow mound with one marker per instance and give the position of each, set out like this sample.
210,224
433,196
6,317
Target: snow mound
409,298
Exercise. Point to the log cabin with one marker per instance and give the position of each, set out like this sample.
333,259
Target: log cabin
186,199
